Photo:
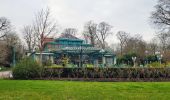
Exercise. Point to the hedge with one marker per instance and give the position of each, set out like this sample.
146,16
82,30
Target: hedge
106,73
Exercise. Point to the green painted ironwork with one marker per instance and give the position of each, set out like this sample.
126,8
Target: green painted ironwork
14,58
77,50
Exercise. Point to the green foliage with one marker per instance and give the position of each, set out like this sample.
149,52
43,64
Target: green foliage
126,59
168,64
47,63
122,66
55,66
89,65
65,61
27,68
151,58
2,68
156,64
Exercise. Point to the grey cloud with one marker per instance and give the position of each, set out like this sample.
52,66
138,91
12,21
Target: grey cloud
128,15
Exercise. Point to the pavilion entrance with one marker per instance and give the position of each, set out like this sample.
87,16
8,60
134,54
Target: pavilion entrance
80,56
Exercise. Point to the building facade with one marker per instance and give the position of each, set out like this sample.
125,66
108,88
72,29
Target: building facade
70,49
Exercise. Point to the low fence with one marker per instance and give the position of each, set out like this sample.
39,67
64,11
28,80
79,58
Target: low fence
106,73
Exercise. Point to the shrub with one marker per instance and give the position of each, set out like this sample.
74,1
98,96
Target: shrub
1,68
156,64
27,69
168,64
89,65
55,66
47,63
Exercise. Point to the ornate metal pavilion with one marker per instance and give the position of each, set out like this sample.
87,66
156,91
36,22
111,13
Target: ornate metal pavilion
76,51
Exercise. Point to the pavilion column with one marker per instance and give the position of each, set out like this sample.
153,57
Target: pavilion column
103,61
80,60
52,59
115,61
96,62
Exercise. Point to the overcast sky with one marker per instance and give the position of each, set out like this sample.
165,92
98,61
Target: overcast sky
127,15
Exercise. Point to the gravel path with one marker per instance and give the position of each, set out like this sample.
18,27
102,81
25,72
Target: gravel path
6,74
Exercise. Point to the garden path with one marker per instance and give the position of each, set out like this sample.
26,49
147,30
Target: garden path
5,74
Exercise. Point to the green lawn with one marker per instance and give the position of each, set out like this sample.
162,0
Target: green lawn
68,90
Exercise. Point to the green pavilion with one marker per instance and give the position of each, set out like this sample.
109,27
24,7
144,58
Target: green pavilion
68,49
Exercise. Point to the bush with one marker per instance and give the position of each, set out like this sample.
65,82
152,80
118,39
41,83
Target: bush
27,69
2,68
47,63
89,65
156,64
55,66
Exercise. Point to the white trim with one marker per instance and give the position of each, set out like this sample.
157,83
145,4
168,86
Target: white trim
44,53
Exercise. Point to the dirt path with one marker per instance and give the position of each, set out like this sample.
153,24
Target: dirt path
6,74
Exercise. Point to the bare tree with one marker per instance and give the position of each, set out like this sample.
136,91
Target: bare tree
3,52
163,37
10,42
133,44
43,27
5,25
29,37
161,16
12,39
103,31
90,30
123,37
71,31
153,46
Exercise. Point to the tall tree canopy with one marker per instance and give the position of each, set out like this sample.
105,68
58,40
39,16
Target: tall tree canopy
161,16
90,30
71,31
122,37
5,26
43,26
103,31
30,37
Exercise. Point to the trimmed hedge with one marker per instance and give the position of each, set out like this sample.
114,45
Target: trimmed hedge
107,73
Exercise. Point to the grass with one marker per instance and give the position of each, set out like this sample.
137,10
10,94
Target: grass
68,90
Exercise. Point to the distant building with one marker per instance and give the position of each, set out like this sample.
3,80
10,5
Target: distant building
75,50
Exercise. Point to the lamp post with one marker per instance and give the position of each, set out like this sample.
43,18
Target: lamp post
14,61
102,51
81,51
146,52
